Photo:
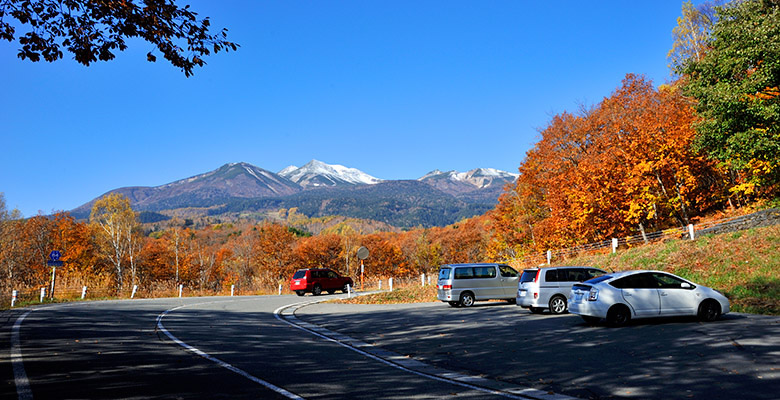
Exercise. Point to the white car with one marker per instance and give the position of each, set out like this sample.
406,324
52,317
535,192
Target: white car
621,296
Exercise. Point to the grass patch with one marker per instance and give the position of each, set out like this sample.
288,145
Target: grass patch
408,294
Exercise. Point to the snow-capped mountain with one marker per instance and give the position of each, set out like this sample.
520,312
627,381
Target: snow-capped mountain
479,178
319,174
241,190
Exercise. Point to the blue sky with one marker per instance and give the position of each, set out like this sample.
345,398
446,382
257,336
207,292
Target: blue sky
393,88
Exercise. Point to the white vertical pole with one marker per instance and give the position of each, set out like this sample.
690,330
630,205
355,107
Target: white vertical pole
549,256
280,289
690,231
380,284
135,289
349,290
43,293
83,292
390,283
232,287
13,297
422,280
181,287
429,280
614,245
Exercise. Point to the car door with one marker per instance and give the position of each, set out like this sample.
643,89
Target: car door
640,291
677,296
509,280
332,280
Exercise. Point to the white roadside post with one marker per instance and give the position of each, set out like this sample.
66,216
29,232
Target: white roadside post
614,245
380,284
549,256
690,231
232,288
422,280
43,293
13,297
181,287
390,283
280,289
135,289
83,292
349,291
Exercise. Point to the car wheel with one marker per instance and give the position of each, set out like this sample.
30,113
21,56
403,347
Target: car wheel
618,315
466,299
709,310
590,320
536,310
453,304
300,292
316,290
345,289
558,305
512,301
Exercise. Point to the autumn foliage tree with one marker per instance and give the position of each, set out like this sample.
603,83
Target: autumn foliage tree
612,170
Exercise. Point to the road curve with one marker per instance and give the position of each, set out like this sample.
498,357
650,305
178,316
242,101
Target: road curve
195,348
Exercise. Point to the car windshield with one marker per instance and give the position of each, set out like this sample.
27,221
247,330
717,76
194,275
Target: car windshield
444,273
299,274
598,279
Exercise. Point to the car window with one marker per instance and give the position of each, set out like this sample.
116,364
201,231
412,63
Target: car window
668,282
484,272
636,281
598,279
592,273
529,275
507,271
332,274
575,275
464,273
444,273
300,274
551,275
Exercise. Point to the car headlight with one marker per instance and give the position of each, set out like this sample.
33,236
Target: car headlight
593,295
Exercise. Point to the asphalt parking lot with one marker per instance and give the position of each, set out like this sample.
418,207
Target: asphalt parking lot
735,357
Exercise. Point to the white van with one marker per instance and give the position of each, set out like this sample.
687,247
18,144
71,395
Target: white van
461,285
548,288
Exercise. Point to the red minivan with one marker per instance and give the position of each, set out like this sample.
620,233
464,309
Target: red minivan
315,280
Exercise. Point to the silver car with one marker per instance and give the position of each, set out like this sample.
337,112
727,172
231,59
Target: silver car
622,296
463,284
547,288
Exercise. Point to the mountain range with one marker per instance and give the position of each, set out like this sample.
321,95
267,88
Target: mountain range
318,189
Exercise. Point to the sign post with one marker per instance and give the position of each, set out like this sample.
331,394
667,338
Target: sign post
54,262
362,254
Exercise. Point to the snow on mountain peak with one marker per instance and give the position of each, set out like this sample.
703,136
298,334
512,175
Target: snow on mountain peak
318,173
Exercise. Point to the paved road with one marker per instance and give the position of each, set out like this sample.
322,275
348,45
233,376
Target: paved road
737,357
100,350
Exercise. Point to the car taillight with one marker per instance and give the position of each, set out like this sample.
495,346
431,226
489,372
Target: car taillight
536,295
446,287
593,295
536,278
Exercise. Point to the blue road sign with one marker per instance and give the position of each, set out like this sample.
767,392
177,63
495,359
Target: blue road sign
55,255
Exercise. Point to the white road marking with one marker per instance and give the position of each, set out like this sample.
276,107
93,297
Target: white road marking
219,362
20,376
535,394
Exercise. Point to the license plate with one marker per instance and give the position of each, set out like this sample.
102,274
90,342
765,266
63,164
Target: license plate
577,297
297,282
522,293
